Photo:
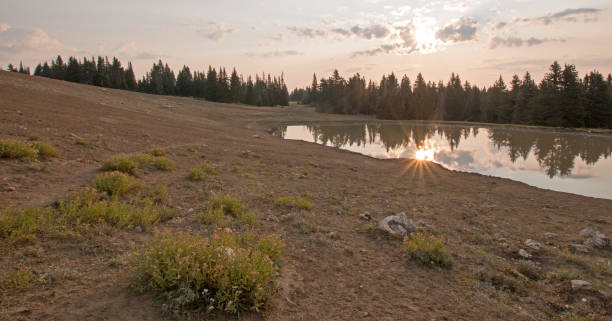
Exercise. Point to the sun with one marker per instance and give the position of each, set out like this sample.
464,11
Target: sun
424,154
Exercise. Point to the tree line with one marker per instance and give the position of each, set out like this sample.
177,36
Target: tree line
161,80
562,98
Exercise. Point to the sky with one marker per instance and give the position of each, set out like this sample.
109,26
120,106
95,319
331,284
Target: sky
477,39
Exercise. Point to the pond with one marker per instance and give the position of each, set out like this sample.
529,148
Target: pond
574,162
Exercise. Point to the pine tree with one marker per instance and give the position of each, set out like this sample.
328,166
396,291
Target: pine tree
211,85
130,78
235,87
597,100
184,82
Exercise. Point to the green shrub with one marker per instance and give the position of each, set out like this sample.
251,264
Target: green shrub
529,270
116,183
218,208
163,163
227,272
87,208
45,150
82,142
428,249
21,279
122,164
561,275
15,149
214,217
289,202
157,152
201,172
141,159
272,246
159,193
23,226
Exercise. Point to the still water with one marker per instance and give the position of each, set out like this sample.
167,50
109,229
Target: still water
564,161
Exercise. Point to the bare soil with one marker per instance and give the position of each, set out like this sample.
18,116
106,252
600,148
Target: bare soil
354,273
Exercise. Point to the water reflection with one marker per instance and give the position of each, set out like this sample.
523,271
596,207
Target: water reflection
523,154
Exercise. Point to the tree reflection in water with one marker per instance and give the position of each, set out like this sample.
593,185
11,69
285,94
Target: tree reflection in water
555,151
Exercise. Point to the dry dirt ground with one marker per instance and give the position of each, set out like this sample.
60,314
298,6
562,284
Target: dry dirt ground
353,273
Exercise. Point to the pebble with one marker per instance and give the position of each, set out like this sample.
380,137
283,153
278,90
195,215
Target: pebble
524,254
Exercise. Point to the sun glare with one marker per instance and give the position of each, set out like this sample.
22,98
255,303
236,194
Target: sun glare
424,154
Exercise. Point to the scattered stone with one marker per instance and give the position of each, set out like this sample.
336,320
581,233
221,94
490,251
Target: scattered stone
333,235
524,254
580,285
138,229
365,216
256,136
549,235
534,245
580,248
595,238
397,225
272,218
190,210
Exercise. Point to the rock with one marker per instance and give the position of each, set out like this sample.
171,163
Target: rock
580,248
578,285
138,229
333,235
272,218
365,216
190,210
524,254
549,235
534,245
397,225
595,238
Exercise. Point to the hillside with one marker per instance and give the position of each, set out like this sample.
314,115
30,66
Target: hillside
335,264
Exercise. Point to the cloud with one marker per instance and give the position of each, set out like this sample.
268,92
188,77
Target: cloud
21,40
214,30
374,31
369,32
4,27
510,42
307,32
571,15
462,30
407,44
277,37
275,53
584,15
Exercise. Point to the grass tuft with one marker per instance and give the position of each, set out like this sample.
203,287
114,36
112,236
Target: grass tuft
163,163
122,164
45,150
227,273
219,208
201,172
21,279
428,249
157,152
23,226
82,142
289,202
116,183
14,149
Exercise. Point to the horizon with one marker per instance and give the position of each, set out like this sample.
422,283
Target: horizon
478,40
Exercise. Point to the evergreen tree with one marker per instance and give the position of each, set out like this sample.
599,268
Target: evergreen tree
184,82
235,90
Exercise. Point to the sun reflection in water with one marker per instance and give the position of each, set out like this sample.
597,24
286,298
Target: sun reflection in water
426,154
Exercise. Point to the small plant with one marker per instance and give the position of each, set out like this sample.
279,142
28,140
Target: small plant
14,149
272,246
561,275
82,142
228,272
122,164
289,202
45,150
141,159
157,152
23,226
201,172
428,249
163,163
159,193
21,279
230,206
116,183
500,281
529,270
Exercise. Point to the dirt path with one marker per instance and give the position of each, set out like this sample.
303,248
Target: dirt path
336,266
